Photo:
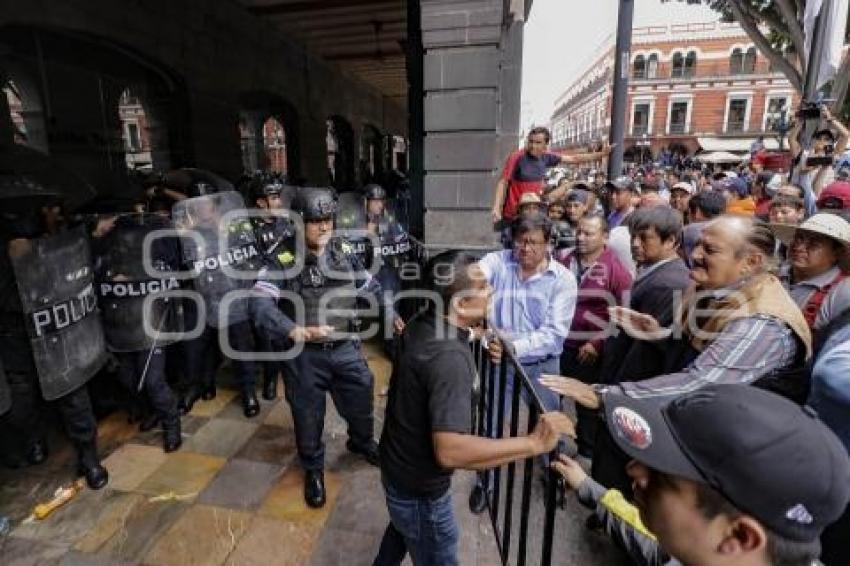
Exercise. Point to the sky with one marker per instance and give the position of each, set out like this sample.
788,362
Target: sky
562,35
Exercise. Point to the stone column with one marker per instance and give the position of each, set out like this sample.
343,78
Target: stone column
472,70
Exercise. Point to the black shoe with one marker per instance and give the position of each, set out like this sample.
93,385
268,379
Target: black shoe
95,474
188,400
369,452
172,439
250,405
314,488
37,452
209,393
148,423
270,389
478,499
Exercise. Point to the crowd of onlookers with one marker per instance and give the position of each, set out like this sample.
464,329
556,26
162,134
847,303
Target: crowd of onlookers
664,285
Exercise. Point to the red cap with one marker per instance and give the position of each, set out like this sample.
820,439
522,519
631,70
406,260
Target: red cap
836,196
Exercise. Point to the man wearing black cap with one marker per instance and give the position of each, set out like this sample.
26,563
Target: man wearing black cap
621,190
728,474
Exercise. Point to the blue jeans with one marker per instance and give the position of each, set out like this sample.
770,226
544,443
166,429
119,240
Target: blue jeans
426,528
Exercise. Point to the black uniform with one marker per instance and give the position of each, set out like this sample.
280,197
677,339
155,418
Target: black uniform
335,365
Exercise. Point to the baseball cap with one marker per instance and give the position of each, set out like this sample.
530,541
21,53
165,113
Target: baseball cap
735,184
771,458
623,184
578,195
835,196
530,198
684,186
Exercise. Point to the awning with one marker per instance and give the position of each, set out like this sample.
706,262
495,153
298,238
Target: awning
734,144
719,157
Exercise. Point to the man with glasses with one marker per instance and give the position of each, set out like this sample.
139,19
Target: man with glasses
817,251
533,304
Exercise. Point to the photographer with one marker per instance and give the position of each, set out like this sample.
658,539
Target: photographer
815,165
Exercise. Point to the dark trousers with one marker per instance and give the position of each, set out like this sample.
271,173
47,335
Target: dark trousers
24,424
609,463
131,368
267,343
203,356
343,372
426,528
587,420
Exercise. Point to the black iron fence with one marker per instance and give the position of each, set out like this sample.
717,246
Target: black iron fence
522,496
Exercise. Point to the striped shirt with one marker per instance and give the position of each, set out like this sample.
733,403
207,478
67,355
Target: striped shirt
746,350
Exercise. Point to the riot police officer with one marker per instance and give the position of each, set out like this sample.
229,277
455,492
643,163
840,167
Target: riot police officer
138,332
274,232
51,339
331,360
222,256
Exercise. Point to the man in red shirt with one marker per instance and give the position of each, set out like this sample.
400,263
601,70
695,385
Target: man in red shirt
525,170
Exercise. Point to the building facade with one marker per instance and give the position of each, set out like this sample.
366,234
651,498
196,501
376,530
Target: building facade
697,87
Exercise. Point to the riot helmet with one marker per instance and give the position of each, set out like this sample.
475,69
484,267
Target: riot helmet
22,207
200,189
315,203
263,187
374,191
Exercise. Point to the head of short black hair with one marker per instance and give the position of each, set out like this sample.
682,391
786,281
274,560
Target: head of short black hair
448,274
540,130
764,178
522,225
824,133
603,222
711,203
666,222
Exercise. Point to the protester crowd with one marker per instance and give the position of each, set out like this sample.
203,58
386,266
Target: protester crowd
705,348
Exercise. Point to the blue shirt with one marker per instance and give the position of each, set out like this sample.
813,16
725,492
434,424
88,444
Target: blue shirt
830,394
536,314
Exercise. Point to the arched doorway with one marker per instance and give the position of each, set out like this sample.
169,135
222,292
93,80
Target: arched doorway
22,121
268,134
372,155
340,144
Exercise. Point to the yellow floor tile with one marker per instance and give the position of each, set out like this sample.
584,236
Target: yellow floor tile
115,430
131,464
214,406
183,474
275,542
219,530
286,500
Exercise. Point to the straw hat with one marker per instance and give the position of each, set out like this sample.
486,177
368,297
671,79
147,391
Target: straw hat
825,224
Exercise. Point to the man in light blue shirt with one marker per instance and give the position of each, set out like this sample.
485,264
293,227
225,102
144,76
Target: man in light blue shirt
534,298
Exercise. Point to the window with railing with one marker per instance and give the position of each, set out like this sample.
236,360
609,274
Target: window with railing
737,116
776,109
652,66
640,121
639,67
683,66
679,117
749,62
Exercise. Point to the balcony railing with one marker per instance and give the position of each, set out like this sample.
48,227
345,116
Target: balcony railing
704,70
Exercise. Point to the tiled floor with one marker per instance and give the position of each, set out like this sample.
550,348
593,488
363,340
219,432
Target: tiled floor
231,495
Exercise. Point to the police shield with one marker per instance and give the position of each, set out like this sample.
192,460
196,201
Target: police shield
351,224
56,286
219,250
125,278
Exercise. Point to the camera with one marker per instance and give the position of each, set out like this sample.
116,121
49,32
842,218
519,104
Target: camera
809,111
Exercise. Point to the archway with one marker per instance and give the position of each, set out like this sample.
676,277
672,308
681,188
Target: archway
268,134
340,144
372,155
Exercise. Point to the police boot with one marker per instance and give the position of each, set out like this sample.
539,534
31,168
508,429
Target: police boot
314,488
209,392
369,452
270,388
188,400
148,423
37,452
172,438
250,405
88,465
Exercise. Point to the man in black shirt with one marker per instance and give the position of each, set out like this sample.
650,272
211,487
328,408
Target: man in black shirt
429,416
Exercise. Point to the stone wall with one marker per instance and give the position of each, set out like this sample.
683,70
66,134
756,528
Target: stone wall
217,52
